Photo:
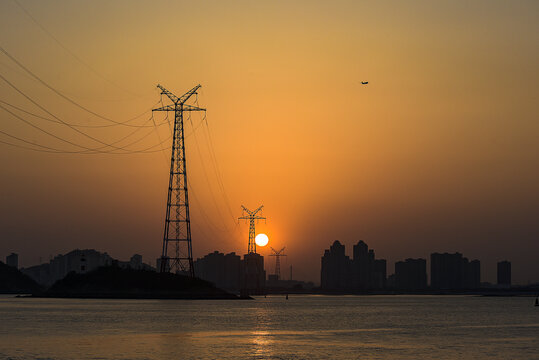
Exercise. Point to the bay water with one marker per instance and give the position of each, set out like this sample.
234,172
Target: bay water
302,327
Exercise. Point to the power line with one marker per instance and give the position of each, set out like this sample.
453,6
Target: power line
60,120
57,92
77,125
206,175
44,131
87,149
214,161
66,49
85,152
49,149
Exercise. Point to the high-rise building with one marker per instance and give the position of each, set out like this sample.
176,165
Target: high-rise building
222,270
504,273
335,271
411,274
473,275
453,271
253,274
79,261
12,260
445,271
362,266
136,262
232,278
380,274
361,273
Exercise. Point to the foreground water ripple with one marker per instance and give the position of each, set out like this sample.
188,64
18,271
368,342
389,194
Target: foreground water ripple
303,327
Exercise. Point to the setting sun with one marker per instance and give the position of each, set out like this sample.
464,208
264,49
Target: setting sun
261,240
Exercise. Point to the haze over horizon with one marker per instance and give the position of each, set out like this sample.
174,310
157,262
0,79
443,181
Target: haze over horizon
439,152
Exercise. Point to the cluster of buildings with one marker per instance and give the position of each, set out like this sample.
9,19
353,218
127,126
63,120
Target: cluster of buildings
448,272
364,272
79,261
231,272
339,272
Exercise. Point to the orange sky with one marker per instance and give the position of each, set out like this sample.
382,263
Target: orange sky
438,153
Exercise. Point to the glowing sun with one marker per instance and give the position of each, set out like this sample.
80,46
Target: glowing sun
261,240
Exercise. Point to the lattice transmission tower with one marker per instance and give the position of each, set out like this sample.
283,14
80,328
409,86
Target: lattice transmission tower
177,231
251,216
277,255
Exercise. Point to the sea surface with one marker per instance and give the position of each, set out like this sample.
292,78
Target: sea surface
303,327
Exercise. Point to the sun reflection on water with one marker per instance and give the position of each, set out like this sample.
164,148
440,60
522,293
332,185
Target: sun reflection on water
261,338
262,344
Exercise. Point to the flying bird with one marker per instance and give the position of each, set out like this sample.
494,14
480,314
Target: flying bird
364,82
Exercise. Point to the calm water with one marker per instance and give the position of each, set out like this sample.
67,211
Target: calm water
304,327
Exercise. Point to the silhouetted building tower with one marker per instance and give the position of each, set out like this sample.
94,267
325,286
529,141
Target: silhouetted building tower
362,266
380,274
367,272
504,273
79,261
335,272
12,260
453,271
254,275
446,271
277,255
177,231
411,274
473,275
222,270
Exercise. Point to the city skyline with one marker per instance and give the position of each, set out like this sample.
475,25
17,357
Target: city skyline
361,272
437,153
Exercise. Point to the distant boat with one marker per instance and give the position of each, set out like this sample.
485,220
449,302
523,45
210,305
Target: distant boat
364,82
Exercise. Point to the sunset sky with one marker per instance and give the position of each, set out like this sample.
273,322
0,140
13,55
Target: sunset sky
439,152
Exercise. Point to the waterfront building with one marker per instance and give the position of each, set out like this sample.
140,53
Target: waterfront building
380,274
253,274
79,261
473,275
276,285
222,270
335,271
230,272
362,266
453,272
411,274
361,273
12,260
504,273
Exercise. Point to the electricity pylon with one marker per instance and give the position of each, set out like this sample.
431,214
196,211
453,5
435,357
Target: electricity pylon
277,255
251,216
177,220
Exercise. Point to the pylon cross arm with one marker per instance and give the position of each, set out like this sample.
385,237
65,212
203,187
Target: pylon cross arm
185,108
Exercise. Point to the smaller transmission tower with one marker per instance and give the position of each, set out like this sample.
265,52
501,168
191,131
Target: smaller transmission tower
251,216
277,255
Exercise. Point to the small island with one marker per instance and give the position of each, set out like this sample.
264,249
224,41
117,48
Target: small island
113,282
12,281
